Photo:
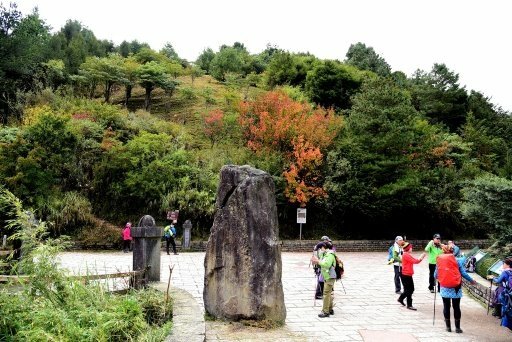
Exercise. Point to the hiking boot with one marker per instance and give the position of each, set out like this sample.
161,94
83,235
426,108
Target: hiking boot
432,290
319,297
323,314
331,312
458,330
412,308
401,301
448,325
398,292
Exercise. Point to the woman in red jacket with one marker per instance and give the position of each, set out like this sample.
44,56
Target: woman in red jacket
408,262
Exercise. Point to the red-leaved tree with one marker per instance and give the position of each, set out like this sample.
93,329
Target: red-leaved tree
274,122
214,125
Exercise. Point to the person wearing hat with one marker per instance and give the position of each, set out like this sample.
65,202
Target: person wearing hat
397,262
433,249
408,262
320,279
326,263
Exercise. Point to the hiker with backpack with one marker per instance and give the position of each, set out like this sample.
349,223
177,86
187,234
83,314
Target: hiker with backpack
316,268
433,249
503,294
327,265
169,235
449,272
408,262
395,256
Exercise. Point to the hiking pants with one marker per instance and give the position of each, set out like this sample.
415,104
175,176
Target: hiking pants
431,279
408,289
319,288
126,245
398,272
170,240
327,300
456,308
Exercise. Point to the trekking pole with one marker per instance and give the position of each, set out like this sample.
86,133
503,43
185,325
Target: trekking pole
343,286
489,302
434,319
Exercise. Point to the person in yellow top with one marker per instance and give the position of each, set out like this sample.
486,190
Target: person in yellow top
433,249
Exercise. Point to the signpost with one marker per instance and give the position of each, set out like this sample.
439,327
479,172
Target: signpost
173,216
301,218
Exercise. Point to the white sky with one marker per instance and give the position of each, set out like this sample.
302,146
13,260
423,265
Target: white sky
471,37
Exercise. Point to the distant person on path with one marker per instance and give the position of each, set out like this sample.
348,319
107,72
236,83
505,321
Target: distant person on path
326,264
433,249
456,249
408,262
169,235
501,299
127,237
320,279
449,272
397,262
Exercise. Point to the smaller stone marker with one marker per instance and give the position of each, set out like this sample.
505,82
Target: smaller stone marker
147,248
187,226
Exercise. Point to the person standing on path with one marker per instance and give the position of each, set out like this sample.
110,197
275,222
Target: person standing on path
397,262
127,237
449,271
408,262
433,249
503,282
320,279
326,263
169,235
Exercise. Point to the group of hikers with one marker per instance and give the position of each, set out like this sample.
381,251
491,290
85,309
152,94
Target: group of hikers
446,267
169,235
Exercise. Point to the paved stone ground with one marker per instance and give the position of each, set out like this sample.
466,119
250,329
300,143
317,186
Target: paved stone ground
365,302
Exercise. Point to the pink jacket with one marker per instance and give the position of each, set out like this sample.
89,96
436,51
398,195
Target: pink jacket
127,234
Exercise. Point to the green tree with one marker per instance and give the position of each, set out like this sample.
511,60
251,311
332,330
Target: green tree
488,199
331,84
389,160
150,76
230,60
365,58
204,60
23,46
439,96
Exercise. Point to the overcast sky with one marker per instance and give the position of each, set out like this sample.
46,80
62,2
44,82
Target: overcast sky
473,38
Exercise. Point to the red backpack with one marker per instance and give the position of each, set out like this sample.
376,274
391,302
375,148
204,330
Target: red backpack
448,272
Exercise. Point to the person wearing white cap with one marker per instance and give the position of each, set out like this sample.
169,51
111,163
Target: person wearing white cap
397,262
320,280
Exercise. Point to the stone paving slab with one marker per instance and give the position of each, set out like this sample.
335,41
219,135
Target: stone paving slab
366,311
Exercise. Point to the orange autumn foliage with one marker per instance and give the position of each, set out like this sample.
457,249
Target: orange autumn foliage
275,122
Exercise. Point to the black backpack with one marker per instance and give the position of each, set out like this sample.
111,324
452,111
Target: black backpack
338,267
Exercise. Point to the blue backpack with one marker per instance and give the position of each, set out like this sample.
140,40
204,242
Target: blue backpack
390,253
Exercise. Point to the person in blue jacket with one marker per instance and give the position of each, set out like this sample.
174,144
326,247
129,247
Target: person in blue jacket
502,292
452,295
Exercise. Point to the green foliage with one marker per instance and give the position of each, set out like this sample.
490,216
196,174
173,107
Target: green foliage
365,58
229,60
53,307
389,159
205,59
488,199
331,84
439,96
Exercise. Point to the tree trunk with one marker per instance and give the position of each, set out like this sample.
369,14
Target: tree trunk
127,94
108,90
147,99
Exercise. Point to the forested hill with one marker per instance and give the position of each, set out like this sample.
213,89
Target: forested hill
96,134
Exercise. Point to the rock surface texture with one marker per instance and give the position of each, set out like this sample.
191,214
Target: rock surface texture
243,257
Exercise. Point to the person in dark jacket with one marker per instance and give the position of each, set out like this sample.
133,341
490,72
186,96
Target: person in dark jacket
316,268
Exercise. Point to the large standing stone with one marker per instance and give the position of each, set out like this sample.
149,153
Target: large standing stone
243,258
